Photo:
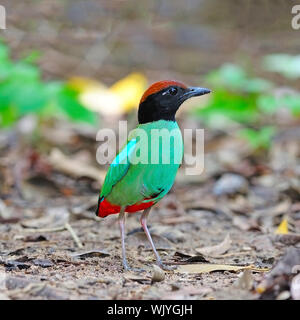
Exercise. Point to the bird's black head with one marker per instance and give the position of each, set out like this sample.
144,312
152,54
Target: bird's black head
163,99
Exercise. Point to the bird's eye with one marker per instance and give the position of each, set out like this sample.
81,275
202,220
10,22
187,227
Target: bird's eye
173,91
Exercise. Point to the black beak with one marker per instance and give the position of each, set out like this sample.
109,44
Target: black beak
195,92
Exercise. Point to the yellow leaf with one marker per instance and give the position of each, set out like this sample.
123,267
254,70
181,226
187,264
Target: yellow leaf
101,100
210,267
82,84
260,289
283,227
121,97
130,90
95,96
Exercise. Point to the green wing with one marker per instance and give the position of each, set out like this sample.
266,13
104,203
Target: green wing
118,168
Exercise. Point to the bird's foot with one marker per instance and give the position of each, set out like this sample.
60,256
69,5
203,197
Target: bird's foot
127,268
166,267
138,270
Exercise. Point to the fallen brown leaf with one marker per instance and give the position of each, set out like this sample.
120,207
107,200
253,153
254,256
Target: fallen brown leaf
44,263
295,287
278,278
176,220
139,279
185,292
74,167
217,249
246,280
287,239
207,267
230,184
245,224
90,254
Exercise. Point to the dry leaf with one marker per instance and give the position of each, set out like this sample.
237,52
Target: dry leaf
286,267
158,274
246,280
217,249
74,167
90,254
295,287
283,227
44,263
121,97
3,296
96,96
230,184
3,288
289,239
186,258
186,292
129,90
245,224
281,208
2,280
139,279
54,217
284,295
197,258
177,220
208,267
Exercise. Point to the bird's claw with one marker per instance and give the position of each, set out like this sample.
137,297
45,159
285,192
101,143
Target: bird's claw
127,268
166,267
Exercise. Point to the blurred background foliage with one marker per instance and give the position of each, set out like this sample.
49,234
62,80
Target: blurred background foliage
86,60
23,91
71,67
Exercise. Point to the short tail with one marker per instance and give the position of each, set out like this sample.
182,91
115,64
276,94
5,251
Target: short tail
97,213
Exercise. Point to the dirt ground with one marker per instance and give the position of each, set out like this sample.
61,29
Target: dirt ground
233,232
53,247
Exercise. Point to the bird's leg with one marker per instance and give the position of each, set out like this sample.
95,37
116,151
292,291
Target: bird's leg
121,219
144,225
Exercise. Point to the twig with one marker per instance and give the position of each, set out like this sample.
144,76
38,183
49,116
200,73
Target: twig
61,228
232,254
74,235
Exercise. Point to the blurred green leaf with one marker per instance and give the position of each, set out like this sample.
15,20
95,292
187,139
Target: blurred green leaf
8,90
240,98
267,103
235,78
4,51
8,116
228,75
22,91
285,64
234,106
292,102
24,71
257,85
30,98
5,70
258,139
32,57
68,101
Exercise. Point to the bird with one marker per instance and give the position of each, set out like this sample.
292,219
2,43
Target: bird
131,186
